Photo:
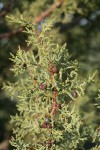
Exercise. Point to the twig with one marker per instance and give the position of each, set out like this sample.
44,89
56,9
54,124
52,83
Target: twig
49,11
12,33
37,20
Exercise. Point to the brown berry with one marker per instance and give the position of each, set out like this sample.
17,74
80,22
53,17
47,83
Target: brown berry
42,86
49,126
44,125
74,94
54,70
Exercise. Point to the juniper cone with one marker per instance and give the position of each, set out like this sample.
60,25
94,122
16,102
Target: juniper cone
74,94
67,125
54,70
42,86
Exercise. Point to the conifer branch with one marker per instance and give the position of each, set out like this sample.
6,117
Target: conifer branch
45,90
37,20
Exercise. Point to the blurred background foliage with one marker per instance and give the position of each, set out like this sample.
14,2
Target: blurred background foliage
77,23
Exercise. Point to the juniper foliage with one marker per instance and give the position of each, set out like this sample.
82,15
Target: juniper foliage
47,89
